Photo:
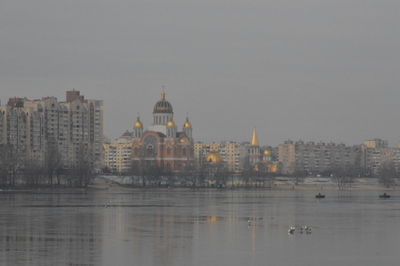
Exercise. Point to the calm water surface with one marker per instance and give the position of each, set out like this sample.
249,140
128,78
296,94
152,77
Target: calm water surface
181,227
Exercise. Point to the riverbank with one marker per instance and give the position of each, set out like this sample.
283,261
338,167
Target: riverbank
317,184
103,183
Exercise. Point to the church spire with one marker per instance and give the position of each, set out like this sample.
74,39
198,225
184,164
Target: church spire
254,139
162,93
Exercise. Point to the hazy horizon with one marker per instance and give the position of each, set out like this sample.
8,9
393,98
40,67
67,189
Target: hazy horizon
297,69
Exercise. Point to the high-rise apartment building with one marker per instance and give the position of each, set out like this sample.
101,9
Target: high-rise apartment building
315,158
39,128
375,153
287,157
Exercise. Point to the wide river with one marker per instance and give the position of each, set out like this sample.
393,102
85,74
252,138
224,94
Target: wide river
182,227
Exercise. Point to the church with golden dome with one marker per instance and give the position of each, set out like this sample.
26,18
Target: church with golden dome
162,145
260,159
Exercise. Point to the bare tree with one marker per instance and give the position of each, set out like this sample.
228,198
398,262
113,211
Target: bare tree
189,171
33,172
84,170
52,161
199,172
10,164
3,165
134,170
388,173
247,172
169,175
343,175
299,173
139,167
222,174
154,172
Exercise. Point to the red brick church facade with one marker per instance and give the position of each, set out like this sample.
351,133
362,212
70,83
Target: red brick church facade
161,144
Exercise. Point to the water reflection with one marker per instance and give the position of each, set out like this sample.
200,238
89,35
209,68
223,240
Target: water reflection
47,235
203,228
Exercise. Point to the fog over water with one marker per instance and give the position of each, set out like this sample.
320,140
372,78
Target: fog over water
311,69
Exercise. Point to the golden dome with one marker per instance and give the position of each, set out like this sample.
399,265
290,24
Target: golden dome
267,153
183,140
273,168
213,158
162,106
138,124
187,124
170,124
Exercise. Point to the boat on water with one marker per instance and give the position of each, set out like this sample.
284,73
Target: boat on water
320,196
384,196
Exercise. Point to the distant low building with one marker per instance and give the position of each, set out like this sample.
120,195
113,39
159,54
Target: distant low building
117,156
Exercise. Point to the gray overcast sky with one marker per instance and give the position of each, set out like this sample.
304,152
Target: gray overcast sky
311,69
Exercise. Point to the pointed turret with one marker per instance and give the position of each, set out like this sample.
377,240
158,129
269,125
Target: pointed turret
254,150
254,139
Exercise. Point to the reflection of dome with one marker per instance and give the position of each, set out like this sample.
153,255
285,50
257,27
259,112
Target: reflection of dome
213,158
170,124
187,124
267,153
138,124
163,106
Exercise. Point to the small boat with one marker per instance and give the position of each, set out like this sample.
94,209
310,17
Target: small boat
384,196
320,196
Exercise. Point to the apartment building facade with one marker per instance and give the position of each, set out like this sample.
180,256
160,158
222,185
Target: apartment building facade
375,153
316,158
38,128
118,154
233,154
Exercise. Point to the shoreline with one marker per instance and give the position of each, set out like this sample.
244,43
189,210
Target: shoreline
110,186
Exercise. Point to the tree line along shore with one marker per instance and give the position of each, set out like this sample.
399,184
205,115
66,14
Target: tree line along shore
15,172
